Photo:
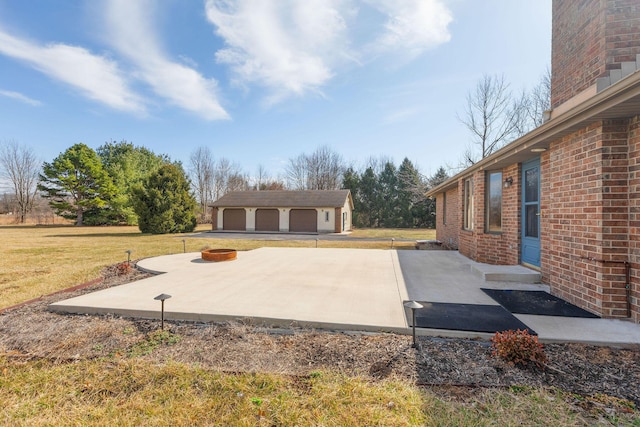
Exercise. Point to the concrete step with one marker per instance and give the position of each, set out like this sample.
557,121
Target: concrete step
506,273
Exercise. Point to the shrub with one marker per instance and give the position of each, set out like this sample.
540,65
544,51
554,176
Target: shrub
519,348
164,203
123,269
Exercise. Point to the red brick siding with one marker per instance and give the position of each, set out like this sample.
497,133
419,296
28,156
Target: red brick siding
577,47
214,219
590,37
585,218
493,248
447,231
622,32
634,214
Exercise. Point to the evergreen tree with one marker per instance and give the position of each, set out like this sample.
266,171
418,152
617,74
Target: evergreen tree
387,200
127,165
351,181
411,198
164,203
369,193
75,182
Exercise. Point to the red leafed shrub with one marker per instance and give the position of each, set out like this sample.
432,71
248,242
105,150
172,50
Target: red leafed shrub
518,347
123,269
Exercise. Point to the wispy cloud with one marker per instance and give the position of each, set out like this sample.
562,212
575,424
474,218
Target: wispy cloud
96,77
401,115
412,26
293,47
20,97
130,31
287,46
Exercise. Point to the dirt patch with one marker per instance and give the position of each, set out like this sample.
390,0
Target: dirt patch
452,367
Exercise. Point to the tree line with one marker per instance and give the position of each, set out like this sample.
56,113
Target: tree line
387,196
120,183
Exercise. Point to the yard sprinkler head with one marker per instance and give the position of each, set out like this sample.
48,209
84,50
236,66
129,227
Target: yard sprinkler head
317,242
128,252
392,240
184,246
162,298
413,305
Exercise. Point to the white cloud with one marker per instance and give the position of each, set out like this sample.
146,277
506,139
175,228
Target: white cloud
96,77
130,31
288,46
20,97
400,115
293,47
412,26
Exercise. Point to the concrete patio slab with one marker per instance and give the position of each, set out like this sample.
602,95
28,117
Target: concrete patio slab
343,289
330,288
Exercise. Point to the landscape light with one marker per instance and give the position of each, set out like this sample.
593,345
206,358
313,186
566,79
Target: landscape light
162,298
413,305
128,252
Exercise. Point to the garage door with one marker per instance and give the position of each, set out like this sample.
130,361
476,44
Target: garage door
267,220
303,220
234,219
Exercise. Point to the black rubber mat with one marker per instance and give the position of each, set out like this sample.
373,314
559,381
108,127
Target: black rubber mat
467,317
536,302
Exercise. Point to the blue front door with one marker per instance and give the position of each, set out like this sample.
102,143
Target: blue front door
531,212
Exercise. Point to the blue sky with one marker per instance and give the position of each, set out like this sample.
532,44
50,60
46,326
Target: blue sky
261,81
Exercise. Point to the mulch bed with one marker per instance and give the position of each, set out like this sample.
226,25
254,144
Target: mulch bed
452,367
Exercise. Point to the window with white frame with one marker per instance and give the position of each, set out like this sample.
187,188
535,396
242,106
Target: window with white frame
468,204
444,207
493,202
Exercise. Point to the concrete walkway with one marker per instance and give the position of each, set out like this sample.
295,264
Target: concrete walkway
346,289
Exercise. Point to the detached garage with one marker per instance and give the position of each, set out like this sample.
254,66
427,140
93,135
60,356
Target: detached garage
303,220
234,219
309,211
267,220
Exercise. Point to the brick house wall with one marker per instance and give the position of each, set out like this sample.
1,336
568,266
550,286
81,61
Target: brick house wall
487,247
585,206
608,34
448,218
634,214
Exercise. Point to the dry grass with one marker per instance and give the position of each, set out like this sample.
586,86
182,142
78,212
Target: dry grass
128,377
397,233
132,392
38,260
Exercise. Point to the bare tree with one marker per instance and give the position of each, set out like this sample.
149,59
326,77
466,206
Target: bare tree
261,177
321,170
296,172
202,166
495,117
492,117
20,167
227,177
539,101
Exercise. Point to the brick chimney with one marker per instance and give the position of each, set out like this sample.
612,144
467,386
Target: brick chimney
590,39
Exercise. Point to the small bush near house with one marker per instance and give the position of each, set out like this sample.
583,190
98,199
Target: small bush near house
519,348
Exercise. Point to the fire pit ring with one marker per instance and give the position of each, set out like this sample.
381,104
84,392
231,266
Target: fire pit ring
219,254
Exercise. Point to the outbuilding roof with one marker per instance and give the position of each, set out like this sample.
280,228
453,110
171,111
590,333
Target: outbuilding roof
284,199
